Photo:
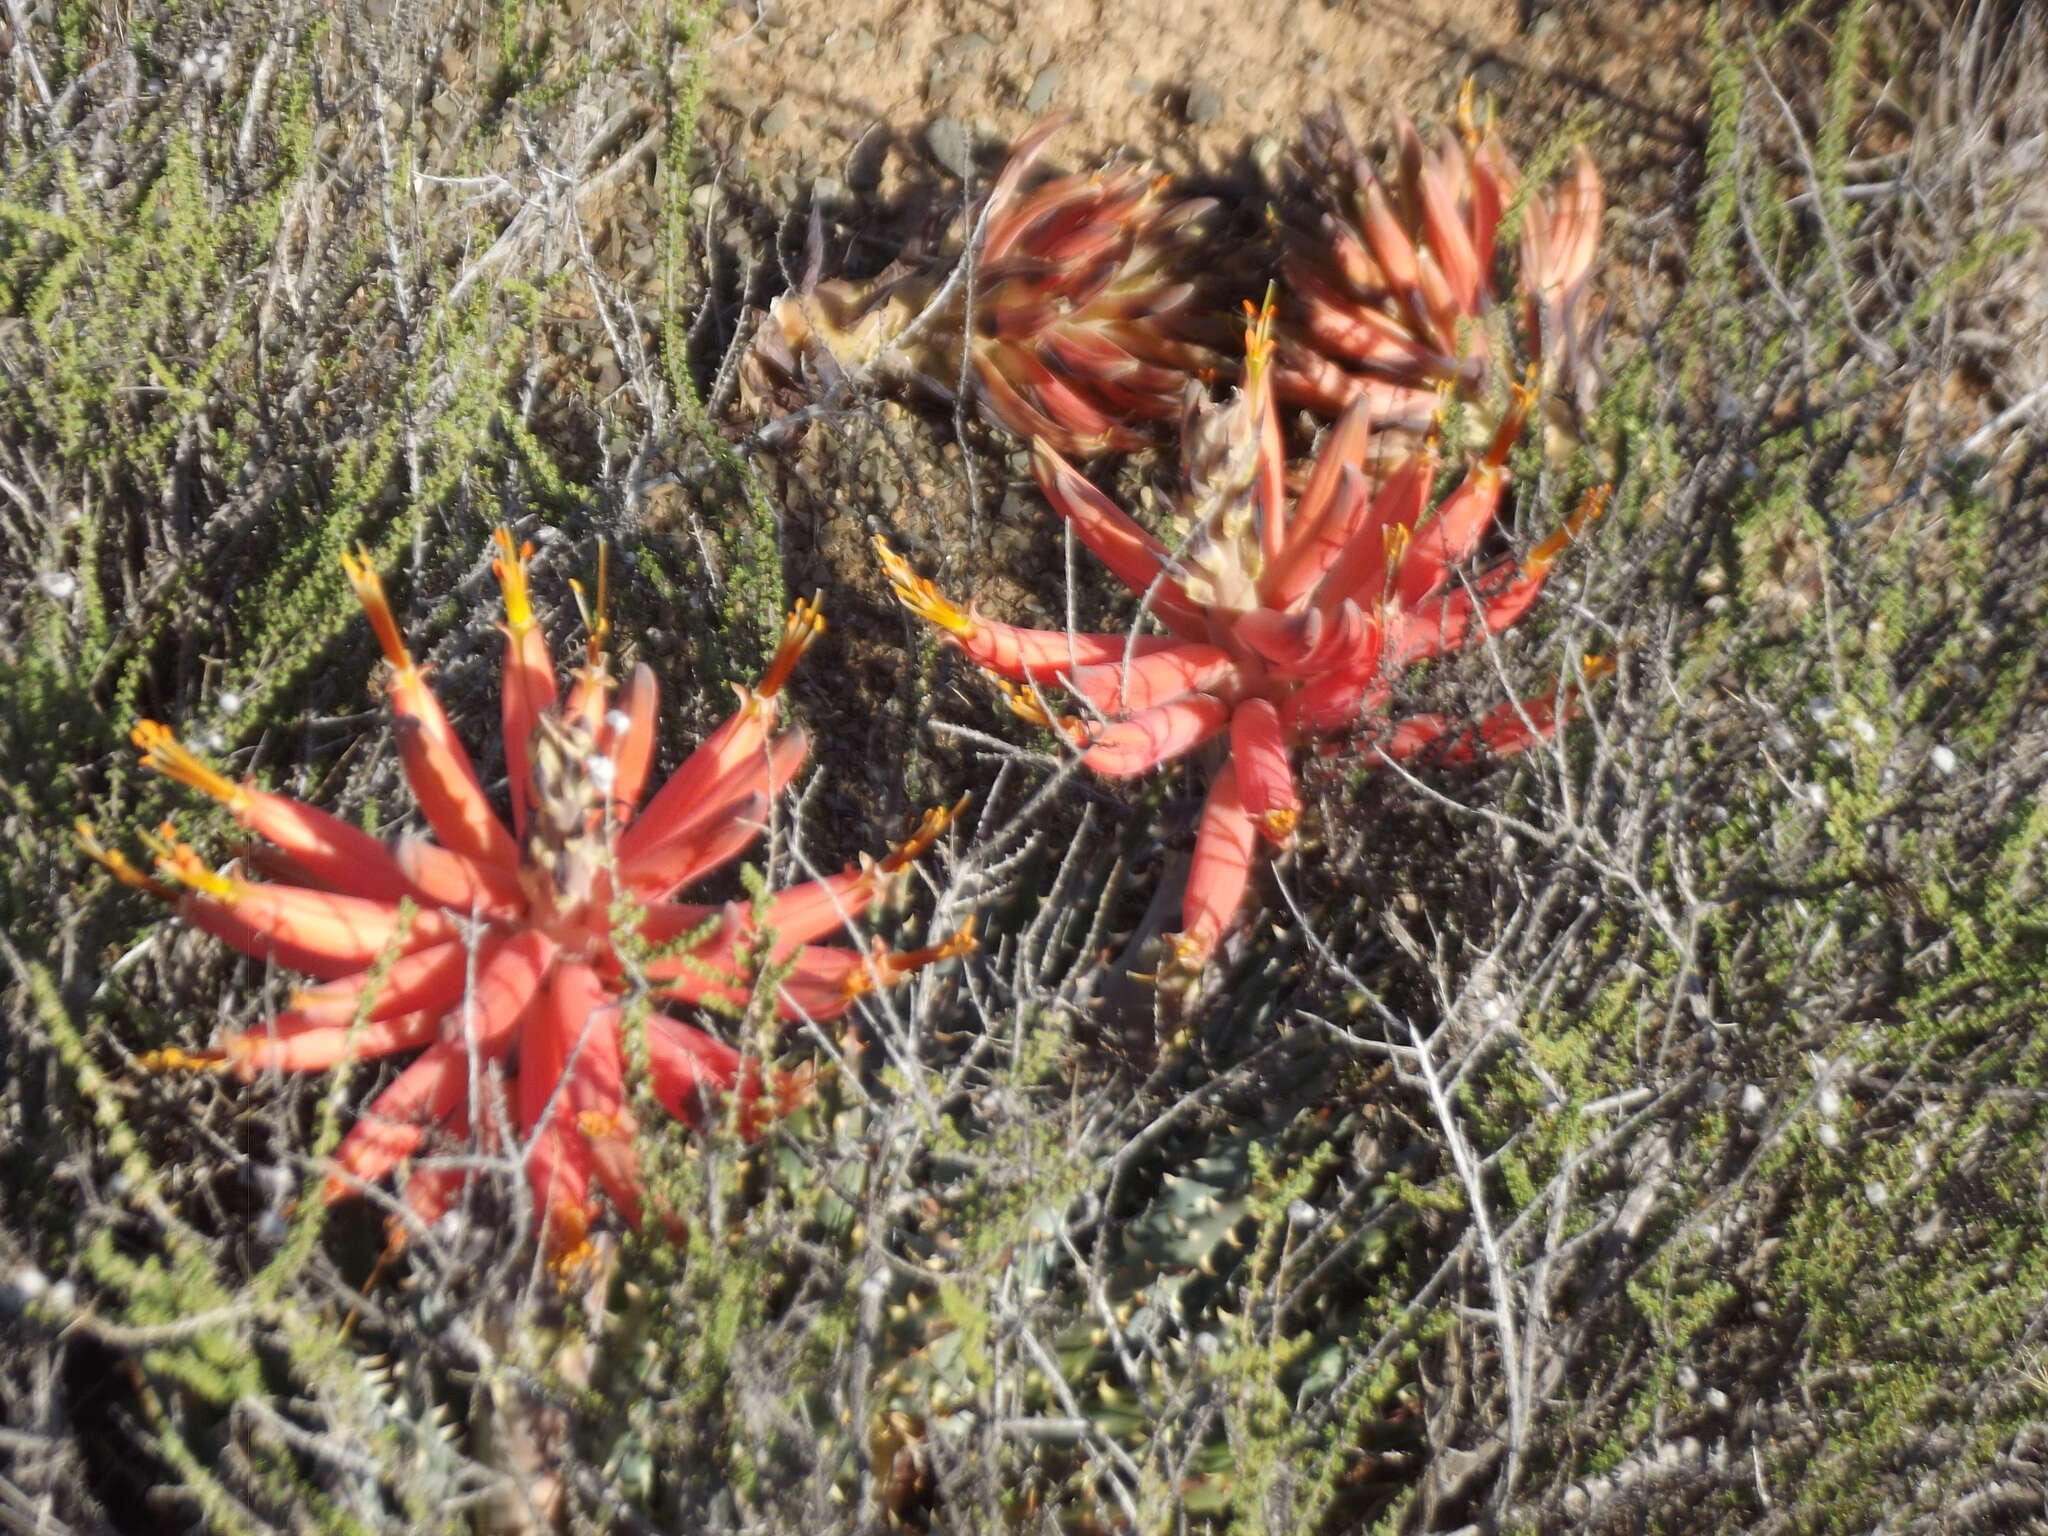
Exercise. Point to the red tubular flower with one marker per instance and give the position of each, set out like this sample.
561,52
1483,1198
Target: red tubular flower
1289,618
1086,318
490,943
1393,292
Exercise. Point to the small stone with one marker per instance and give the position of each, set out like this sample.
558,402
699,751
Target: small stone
1942,760
1038,55
776,120
1315,66
1491,77
949,145
956,51
863,40
58,586
828,191
1043,84
772,13
1204,103
1138,85
1266,153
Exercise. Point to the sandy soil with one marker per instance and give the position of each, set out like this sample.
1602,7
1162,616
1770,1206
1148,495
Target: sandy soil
1188,81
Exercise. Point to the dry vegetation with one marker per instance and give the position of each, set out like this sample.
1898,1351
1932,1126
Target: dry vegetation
1646,1134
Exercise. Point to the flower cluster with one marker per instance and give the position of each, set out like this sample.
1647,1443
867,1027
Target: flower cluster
1393,295
1085,327
515,946
1289,616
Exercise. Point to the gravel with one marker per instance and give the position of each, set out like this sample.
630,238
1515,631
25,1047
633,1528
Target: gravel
950,145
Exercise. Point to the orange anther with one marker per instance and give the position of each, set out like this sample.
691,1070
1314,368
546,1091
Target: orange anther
510,569
804,624
370,593
927,831
162,751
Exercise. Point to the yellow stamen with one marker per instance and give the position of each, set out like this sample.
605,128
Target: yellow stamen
919,595
929,827
510,569
171,1059
1190,953
115,863
370,593
162,751
1591,509
1024,704
1280,824
891,968
1394,540
568,1242
1593,668
804,624
595,624
186,868
1258,338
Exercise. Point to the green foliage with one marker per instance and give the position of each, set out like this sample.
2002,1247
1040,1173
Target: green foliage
1732,1003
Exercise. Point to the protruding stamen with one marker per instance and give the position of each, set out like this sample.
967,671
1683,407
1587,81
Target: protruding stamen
162,751
1469,127
1521,400
1025,705
1280,823
510,569
804,624
598,1125
184,866
1189,953
370,593
171,1059
568,1241
1594,668
1591,509
888,968
115,863
1394,540
1258,336
597,627
918,594
929,828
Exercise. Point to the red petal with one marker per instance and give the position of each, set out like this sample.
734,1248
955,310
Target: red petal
1156,735
1264,777
1221,870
